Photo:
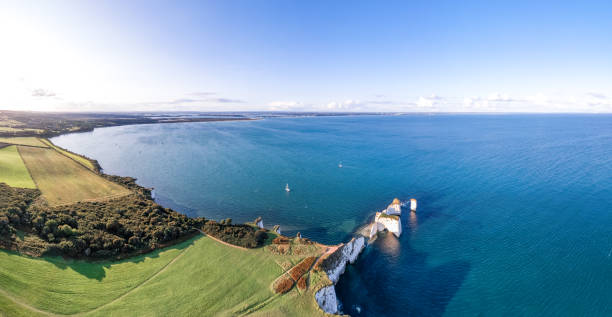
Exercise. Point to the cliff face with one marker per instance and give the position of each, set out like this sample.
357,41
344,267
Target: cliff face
327,300
391,223
334,265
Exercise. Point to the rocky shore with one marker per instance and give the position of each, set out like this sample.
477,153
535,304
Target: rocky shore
334,265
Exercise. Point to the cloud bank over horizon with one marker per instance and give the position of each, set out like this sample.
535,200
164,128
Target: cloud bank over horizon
306,56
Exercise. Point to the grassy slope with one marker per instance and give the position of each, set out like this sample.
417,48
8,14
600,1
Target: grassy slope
32,141
205,279
62,180
12,170
83,161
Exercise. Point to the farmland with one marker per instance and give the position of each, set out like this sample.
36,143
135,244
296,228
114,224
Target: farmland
12,170
197,277
90,216
81,160
62,181
31,141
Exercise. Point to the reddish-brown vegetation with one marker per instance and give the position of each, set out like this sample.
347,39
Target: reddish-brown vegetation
281,240
284,284
301,268
302,283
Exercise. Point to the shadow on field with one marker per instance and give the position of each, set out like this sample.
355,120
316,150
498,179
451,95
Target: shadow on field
97,269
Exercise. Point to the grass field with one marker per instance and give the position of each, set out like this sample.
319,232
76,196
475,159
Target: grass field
199,277
83,161
62,180
12,170
32,141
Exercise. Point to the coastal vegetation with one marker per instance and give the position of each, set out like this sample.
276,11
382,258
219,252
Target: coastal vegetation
76,241
78,212
196,277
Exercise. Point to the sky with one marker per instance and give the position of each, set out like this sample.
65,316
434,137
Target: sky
257,55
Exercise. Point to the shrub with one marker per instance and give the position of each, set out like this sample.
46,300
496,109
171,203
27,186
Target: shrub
260,237
281,240
64,231
301,268
302,283
283,284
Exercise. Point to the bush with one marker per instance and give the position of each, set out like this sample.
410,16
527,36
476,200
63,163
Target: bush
281,240
64,231
301,268
260,236
302,282
283,285
240,235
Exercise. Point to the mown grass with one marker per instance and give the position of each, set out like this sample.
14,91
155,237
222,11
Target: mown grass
69,286
32,141
83,161
206,278
62,180
12,170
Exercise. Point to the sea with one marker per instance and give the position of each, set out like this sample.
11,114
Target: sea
514,212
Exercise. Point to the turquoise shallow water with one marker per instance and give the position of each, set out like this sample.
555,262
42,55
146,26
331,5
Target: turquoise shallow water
514,217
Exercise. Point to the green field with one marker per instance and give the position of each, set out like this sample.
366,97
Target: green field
199,277
83,161
12,170
32,141
63,181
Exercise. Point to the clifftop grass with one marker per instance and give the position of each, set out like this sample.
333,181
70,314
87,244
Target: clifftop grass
197,277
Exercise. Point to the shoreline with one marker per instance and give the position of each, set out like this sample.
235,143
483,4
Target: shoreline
341,254
338,255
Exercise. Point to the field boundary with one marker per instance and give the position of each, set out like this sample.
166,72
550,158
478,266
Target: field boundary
26,166
57,148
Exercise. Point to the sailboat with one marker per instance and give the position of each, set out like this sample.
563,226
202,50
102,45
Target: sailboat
287,189
340,165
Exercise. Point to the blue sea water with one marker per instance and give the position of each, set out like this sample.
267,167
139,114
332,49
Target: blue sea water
514,216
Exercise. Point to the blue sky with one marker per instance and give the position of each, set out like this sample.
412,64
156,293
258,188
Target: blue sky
423,56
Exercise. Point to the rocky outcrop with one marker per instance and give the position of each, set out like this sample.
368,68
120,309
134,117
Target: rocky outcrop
348,253
334,265
277,229
327,300
259,223
390,222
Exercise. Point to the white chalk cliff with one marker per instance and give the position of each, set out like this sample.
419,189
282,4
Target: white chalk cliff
335,265
393,224
327,300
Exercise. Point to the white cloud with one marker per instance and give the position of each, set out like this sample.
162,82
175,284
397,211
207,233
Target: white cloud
498,97
42,93
344,105
429,102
